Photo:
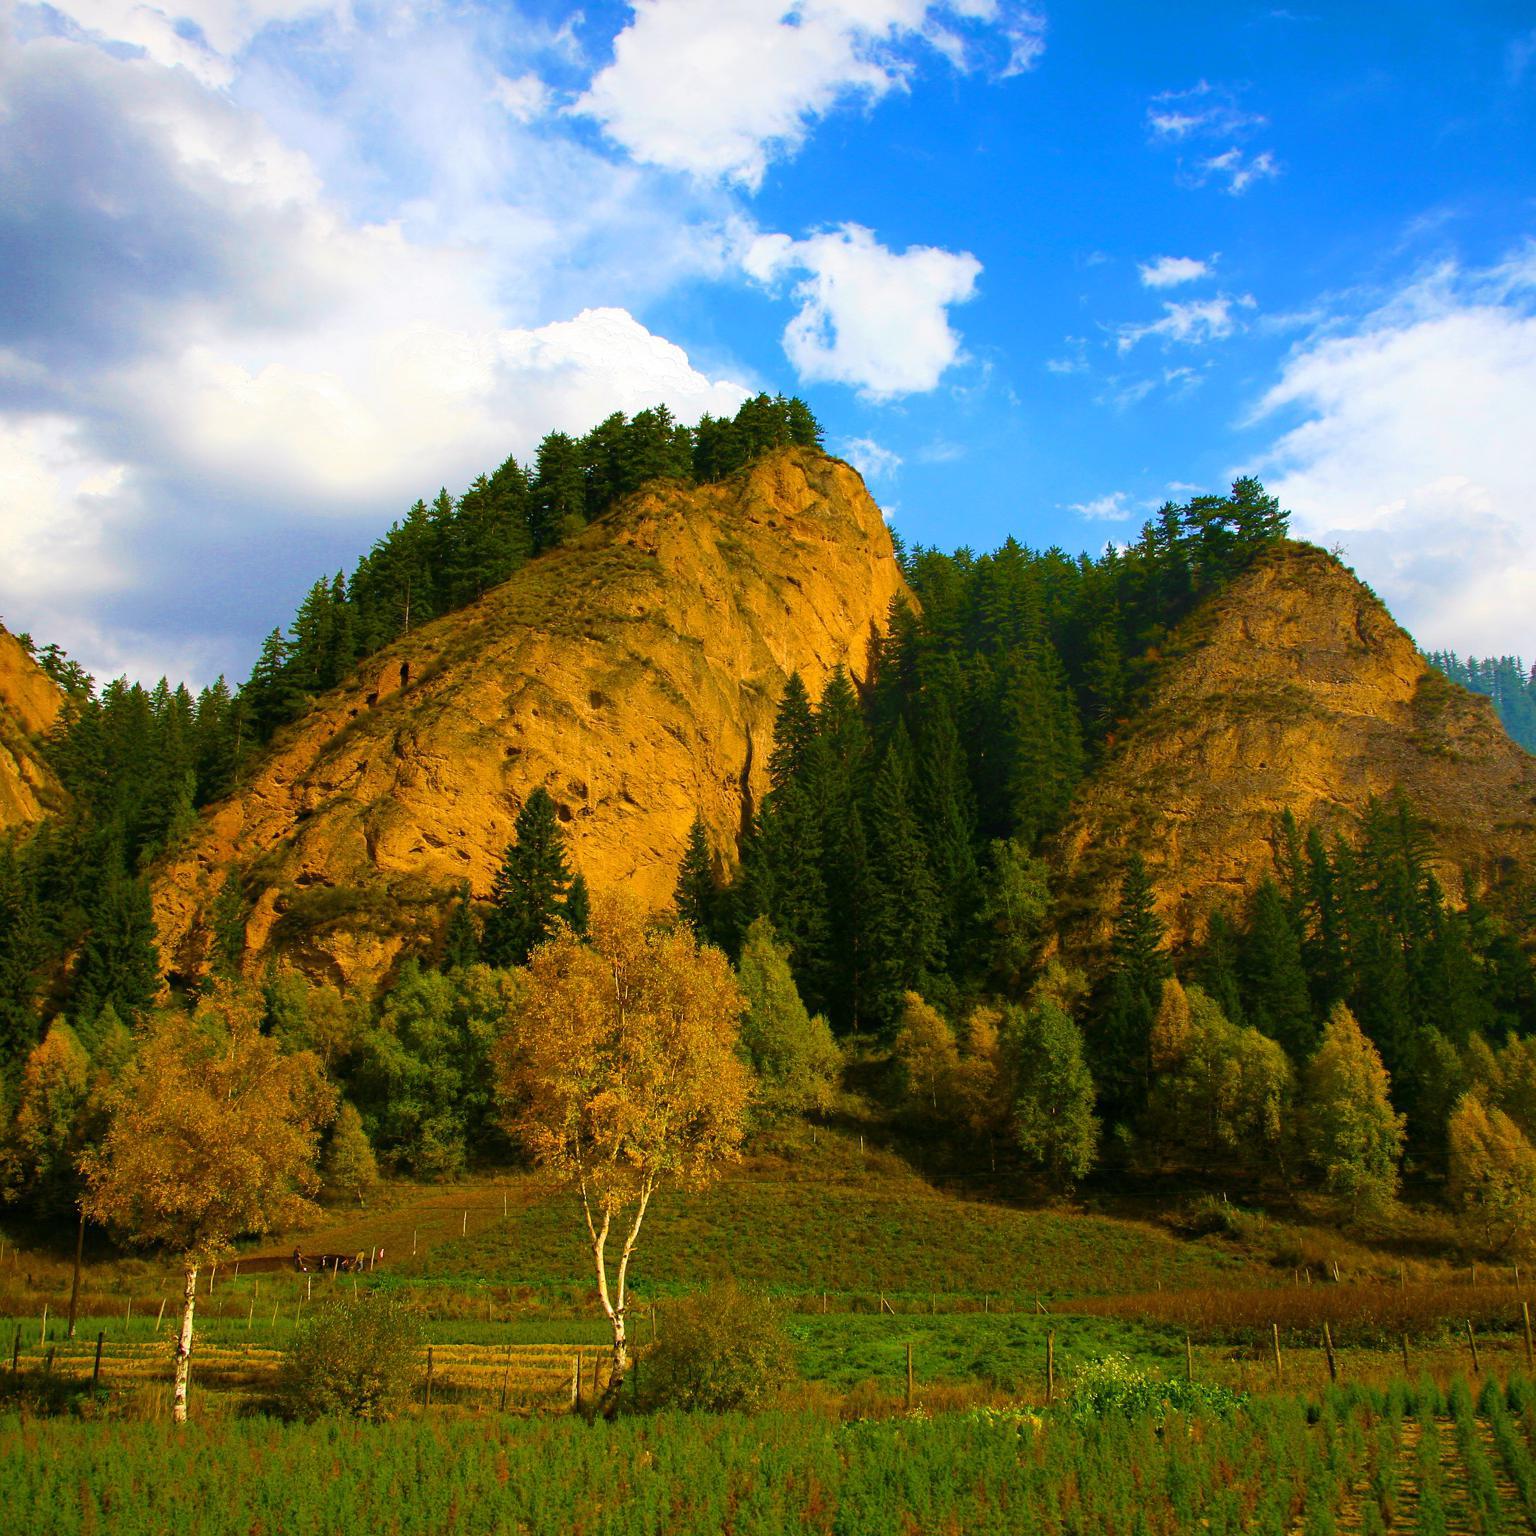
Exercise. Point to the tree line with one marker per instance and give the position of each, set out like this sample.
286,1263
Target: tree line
1504,679
440,557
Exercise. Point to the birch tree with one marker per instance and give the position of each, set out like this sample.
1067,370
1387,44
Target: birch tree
212,1133
620,1073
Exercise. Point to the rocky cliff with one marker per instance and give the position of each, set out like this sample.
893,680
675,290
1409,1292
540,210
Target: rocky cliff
633,672
1294,690
29,704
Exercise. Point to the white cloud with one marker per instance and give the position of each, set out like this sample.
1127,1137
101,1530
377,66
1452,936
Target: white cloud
57,495
217,366
1202,111
348,417
1239,170
1192,322
1171,271
1415,452
199,36
1104,509
1205,112
526,98
867,456
870,317
718,88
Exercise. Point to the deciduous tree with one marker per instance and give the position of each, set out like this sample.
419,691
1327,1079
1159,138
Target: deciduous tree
792,1053
1351,1131
212,1133
1492,1171
1053,1116
620,1072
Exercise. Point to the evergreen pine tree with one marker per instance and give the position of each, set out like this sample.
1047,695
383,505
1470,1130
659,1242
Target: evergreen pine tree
527,893
119,963
576,910
227,920
943,797
905,926
695,895
1130,994
461,938
22,949
794,729
1274,982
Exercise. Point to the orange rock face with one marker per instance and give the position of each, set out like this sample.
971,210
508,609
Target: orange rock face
633,673
29,704
1295,690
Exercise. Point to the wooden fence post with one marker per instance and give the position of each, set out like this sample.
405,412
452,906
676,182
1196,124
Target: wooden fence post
128,1316
429,1376
1404,1341
909,1376
576,1383
1050,1365
96,1368
160,1317
1189,1359
1274,1331
1333,1367
251,1319
1530,1352
42,1337
1477,1368
74,1284
506,1376
16,1351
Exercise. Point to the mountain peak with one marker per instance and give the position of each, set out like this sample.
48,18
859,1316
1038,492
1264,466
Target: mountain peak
1292,690
632,672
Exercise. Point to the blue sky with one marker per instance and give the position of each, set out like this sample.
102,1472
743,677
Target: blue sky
274,268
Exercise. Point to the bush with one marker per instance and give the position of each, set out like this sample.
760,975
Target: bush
1114,1386
719,1350
356,1358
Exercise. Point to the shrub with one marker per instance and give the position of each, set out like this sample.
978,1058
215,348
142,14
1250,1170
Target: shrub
357,1358
1114,1386
719,1349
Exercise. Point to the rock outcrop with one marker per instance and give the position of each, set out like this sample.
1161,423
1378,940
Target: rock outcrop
633,673
1293,690
29,704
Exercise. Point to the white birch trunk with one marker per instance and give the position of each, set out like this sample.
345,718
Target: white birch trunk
184,1347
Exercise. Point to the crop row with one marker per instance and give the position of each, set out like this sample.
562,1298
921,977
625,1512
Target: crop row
1411,1458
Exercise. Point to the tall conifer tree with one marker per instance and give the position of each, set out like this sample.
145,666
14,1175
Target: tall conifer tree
528,893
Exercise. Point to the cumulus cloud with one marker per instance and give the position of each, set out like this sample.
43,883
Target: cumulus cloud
1172,271
213,371
718,88
1413,449
1112,508
1191,322
867,456
870,317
